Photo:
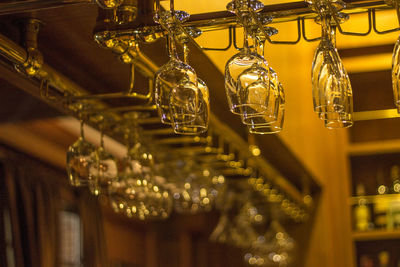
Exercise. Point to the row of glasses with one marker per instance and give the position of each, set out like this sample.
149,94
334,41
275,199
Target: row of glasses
129,186
332,92
252,87
90,166
181,98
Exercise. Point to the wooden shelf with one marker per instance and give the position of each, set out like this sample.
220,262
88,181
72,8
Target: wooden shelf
376,147
376,235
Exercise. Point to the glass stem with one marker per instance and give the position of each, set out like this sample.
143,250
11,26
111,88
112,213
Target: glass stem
172,47
333,35
186,53
245,35
328,31
262,47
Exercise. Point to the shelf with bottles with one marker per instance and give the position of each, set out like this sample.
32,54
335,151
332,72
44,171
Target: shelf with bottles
378,213
373,171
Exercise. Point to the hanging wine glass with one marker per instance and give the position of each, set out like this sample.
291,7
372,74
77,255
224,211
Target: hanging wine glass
332,93
174,73
195,103
79,156
257,94
269,111
104,170
244,60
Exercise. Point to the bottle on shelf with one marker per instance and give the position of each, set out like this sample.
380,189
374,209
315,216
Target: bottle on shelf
381,205
382,189
395,178
383,259
394,205
362,214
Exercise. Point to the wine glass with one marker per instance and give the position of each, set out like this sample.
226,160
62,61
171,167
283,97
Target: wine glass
244,60
174,72
256,95
79,157
190,103
332,93
105,169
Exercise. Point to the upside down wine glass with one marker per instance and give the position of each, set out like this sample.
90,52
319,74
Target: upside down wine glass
246,65
174,75
193,103
271,119
332,93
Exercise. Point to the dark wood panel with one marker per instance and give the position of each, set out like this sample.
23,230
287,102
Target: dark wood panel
368,50
17,105
374,130
372,90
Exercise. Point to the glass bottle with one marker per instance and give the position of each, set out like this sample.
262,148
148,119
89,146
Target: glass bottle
381,205
362,214
395,178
